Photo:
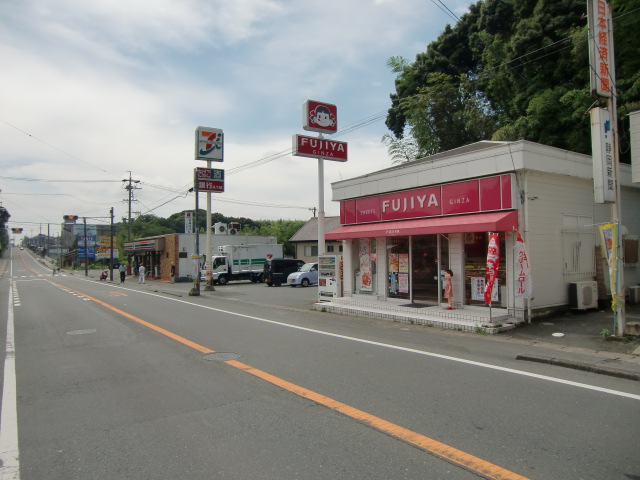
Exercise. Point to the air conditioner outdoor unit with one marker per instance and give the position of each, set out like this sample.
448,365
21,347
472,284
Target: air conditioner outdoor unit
634,294
234,228
220,229
583,295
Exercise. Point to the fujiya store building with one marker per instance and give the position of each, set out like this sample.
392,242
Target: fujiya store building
401,226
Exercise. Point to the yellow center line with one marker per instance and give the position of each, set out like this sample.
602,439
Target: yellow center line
158,329
439,449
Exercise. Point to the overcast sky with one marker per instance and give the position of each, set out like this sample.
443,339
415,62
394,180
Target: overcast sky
90,90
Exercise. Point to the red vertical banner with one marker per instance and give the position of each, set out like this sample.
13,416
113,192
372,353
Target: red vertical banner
493,262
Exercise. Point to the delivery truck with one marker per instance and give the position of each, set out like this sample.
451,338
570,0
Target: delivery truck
242,262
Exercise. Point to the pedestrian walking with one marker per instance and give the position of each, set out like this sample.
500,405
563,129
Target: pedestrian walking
141,274
173,273
123,272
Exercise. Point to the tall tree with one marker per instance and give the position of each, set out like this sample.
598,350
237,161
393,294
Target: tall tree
509,70
4,233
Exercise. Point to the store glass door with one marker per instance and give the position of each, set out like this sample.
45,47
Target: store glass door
426,265
398,268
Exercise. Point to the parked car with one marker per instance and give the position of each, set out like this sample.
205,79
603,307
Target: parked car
307,275
277,270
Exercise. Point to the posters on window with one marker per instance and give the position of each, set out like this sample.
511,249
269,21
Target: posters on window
477,289
393,273
366,283
403,273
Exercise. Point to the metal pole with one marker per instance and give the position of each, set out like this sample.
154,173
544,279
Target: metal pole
616,212
111,242
209,260
129,218
195,291
321,244
86,253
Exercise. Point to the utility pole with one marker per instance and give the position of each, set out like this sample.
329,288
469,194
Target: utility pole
195,291
111,243
130,186
86,251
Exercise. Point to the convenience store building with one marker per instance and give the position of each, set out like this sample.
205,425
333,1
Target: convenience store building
403,226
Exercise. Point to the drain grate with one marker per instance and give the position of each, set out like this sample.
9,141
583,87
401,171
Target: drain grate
221,356
82,332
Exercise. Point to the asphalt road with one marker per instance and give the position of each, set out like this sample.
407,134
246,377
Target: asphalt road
142,381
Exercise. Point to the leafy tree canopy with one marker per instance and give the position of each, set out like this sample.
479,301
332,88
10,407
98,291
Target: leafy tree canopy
510,70
150,226
4,233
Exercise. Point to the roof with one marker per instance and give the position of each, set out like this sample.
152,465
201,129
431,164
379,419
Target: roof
309,231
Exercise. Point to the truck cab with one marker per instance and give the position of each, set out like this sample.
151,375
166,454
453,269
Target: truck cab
220,270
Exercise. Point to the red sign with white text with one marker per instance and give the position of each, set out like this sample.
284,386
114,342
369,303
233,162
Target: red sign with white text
304,146
210,180
471,196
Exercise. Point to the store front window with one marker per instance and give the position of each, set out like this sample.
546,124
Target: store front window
475,249
365,280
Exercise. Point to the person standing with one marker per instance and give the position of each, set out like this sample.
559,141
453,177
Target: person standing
448,288
173,273
123,272
141,273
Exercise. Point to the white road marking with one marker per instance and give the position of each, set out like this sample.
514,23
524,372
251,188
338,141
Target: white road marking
9,453
403,349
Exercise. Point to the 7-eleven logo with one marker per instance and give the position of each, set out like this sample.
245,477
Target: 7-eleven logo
209,144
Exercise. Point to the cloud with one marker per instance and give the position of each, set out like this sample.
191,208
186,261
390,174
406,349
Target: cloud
97,89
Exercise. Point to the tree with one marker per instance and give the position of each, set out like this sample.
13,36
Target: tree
510,70
283,230
4,234
402,150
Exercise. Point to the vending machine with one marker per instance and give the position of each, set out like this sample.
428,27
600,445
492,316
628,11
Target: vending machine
329,277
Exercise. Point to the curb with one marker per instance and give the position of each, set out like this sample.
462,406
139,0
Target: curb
587,367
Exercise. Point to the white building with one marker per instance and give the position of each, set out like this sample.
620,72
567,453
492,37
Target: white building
402,225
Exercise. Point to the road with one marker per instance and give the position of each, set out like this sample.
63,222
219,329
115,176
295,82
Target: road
131,382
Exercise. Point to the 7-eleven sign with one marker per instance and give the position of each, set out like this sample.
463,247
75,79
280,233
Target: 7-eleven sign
209,144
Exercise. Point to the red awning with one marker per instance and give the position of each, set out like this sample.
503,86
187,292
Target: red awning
479,222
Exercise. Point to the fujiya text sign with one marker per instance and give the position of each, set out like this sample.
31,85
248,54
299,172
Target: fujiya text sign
304,146
209,144
319,117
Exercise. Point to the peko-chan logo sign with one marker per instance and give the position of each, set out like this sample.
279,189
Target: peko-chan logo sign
319,117
209,144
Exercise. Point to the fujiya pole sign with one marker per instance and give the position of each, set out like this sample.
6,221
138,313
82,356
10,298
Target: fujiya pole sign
304,146
209,144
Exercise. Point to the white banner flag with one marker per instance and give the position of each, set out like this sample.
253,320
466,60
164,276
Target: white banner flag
524,283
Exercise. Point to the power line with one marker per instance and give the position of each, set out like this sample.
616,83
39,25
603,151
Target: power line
26,179
54,147
445,10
